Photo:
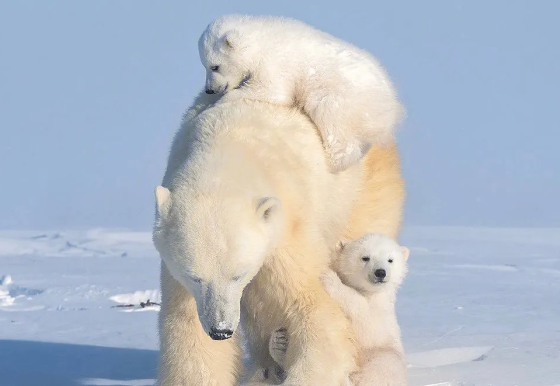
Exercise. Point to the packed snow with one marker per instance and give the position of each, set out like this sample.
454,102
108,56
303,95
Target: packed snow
478,307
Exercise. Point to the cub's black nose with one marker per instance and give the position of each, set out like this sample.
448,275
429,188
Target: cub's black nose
208,91
220,334
380,273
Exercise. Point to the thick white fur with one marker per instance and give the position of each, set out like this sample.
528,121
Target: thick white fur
343,89
369,303
244,220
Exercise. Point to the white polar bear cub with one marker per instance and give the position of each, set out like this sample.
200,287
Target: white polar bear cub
343,89
370,270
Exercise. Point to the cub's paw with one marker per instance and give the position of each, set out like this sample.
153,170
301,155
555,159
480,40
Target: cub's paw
276,374
342,156
278,345
330,279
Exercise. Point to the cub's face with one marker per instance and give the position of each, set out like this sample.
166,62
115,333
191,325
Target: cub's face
372,263
226,60
214,249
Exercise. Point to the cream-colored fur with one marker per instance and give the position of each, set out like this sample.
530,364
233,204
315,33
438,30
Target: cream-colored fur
244,223
371,269
343,89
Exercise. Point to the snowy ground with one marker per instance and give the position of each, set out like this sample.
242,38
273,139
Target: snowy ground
479,307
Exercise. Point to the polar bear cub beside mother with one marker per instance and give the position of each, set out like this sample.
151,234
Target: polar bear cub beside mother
367,273
343,89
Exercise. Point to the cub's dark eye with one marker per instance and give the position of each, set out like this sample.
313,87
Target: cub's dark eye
215,68
390,260
366,258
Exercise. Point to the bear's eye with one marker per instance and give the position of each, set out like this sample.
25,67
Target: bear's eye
390,260
215,68
365,258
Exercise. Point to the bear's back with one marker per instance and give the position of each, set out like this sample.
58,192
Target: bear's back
263,139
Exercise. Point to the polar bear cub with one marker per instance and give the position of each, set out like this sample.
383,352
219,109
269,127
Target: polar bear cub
370,270
343,89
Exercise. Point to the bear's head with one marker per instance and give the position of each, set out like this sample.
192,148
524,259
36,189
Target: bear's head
227,54
374,262
214,234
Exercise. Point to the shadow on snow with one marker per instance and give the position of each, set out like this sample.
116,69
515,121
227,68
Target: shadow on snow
29,363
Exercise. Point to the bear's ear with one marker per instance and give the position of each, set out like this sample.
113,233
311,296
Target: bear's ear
163,201
267,206
405,252
341,244
232,39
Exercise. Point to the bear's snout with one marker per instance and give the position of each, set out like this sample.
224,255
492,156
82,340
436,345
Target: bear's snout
210,91
220,334
378,276
218,310
380,273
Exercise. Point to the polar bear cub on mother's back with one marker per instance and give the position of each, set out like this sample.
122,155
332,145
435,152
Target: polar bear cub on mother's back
343,89
370,270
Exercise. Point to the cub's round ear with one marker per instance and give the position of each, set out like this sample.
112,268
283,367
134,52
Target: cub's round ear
163,201
405,252
232,39
267,207
341,245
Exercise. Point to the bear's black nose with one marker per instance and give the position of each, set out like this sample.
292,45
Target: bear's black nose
220,334
380,273
208,91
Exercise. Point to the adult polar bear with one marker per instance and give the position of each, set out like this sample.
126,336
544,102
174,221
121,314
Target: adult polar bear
245,225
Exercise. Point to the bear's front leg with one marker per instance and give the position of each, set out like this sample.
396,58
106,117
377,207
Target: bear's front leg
288,293
188,356
321,349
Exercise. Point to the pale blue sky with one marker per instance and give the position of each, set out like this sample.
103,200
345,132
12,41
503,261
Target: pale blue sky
92,91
